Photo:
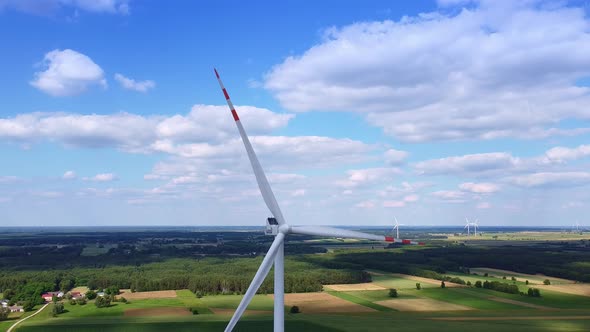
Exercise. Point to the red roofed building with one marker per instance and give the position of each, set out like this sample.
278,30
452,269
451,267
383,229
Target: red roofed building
49,296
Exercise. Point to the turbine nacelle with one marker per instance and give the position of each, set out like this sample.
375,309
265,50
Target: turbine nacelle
272,227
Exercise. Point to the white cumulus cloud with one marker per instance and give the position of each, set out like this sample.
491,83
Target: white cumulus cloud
552,179
365,205
562,154
69,175
138,133
131,84
472,163
367,176
395,157
68,73
479,188
495,69
102,177
451,196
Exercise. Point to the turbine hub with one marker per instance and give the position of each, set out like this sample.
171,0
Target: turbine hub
285,229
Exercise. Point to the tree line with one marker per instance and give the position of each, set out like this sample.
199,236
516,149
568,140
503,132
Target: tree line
432,262
204,276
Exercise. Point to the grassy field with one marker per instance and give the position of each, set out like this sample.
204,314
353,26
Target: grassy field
488,315
16,316
388,321
259,302
520,277
349,296
398,283
469,299
522,286
140,325
4,325
548,298
94,250
117,309
382,295
554,312
420,322
522,236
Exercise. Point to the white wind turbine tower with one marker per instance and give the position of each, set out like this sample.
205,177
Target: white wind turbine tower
396,228
467,225
280,229
475,225
576,226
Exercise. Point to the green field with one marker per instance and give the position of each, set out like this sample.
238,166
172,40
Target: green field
163,262
139,325
94,250
89,318
398,283
548,298
522,286
496,314
350,296
526,236
259,302
380,295
463,297
519,277
473,278
15,316
391,321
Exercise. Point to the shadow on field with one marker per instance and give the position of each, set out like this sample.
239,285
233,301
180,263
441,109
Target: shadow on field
244,326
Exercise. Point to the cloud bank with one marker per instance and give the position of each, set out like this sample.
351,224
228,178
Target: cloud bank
491,70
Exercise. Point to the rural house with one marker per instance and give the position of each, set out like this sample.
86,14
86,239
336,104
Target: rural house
16,308
49,295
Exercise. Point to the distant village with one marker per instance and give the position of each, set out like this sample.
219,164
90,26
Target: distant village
48,297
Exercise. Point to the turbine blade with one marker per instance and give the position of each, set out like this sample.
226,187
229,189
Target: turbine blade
344,233
265,190
257,281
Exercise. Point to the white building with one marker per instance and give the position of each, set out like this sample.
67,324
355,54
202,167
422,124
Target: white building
16,308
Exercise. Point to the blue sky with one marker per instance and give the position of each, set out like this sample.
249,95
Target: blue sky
429,111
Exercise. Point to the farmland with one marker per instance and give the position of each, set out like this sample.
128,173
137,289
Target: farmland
353,292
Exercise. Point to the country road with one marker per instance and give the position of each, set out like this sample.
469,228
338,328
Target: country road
18,322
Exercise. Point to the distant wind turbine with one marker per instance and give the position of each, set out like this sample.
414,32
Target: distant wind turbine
576,226
396,228
470,225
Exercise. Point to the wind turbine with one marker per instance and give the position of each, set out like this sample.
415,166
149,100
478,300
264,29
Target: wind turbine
467,226
396,228
475,225
280,229
576,226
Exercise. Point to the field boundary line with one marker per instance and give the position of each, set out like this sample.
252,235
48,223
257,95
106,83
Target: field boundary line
22,320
